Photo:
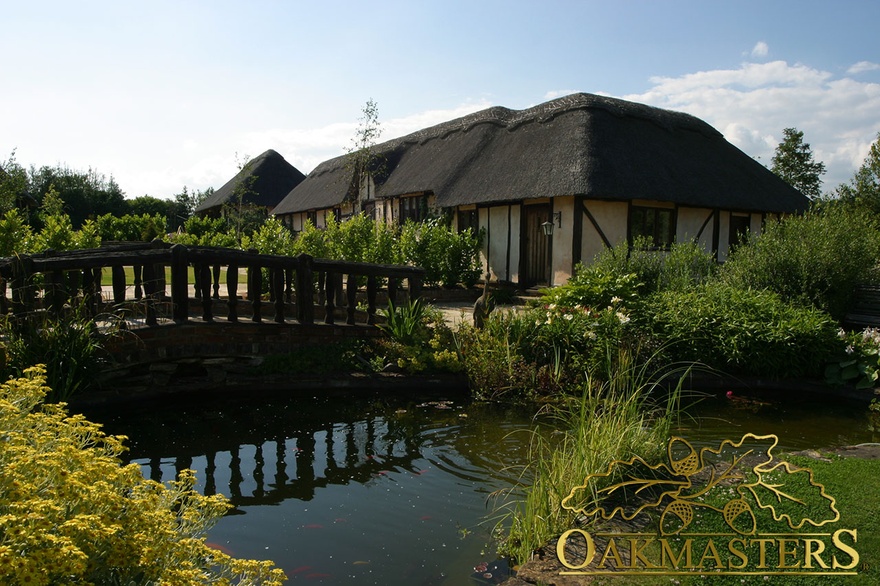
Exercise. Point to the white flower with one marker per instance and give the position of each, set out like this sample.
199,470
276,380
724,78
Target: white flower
568,316
622,317
616,299
590,335
850,349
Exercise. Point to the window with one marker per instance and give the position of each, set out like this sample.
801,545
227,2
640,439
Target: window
468,219
312,217
739,229
411,208
655,224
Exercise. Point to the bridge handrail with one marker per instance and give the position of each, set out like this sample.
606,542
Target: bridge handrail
286,275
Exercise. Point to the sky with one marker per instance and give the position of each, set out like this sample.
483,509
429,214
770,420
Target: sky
161,95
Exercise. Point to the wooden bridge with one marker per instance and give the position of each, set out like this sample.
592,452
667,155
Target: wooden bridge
185,307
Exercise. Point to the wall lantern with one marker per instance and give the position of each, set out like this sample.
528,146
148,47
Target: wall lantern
547,226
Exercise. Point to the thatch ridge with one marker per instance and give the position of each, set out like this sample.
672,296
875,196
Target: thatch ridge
273,179
582,144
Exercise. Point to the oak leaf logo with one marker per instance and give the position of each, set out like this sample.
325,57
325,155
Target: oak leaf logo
734,480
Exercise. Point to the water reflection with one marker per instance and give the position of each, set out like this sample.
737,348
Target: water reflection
369,490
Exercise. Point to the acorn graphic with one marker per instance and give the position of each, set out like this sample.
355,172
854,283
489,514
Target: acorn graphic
738,514
676,516
683,466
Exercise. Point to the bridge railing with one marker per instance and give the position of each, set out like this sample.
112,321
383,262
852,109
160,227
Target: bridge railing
52,279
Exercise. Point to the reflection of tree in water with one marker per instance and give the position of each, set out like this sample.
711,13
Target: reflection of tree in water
282,450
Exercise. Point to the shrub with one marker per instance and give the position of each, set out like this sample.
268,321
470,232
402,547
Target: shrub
742,330
16,236
272,237
131,228
594,286
819,257
72,513
68,344
448,257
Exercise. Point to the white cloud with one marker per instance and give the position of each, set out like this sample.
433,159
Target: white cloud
751,105
862,67
553,94
760,49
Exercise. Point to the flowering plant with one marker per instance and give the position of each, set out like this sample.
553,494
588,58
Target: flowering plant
860,363
72,513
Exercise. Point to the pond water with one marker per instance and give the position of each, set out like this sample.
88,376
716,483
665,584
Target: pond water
385,490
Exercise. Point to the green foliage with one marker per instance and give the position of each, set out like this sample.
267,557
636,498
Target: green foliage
16,236
685,265
611,419
448,257
638,259
272,237
793,162
13,183
204,231
310,241
594,286
858,362
818,258
864,188
72,513
360,239
418,340
131,228
85,194
743,331
544,352
69,346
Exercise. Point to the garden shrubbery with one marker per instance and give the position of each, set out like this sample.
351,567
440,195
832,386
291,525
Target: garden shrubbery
743,331
818,258
72,513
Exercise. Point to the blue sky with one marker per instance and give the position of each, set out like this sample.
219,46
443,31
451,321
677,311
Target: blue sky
165,94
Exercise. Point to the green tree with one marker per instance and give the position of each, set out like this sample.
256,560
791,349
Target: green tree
186,203
86,194
794,162
864,188
13,183
363,162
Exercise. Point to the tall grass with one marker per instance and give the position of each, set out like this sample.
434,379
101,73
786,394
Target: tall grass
629,414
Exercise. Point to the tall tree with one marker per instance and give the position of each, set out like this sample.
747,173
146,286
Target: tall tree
864,188
13,183
363,162
794,162
86,194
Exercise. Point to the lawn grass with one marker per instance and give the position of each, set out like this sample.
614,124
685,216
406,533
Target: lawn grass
107,276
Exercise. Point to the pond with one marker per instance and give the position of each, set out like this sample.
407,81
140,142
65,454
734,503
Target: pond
391,490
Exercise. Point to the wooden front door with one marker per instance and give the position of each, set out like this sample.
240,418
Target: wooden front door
535,246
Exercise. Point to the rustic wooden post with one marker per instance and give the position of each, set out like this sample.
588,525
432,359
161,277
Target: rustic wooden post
88,291
4,302
277,286
322,276
340,290
392,291
329,298
288,289
415,287
55,292
351,288
138,282
118,274
151,287
305,303
372,285
179,284
203,269
255,286
216,275
22,296
232,290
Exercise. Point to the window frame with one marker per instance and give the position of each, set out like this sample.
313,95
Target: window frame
660,239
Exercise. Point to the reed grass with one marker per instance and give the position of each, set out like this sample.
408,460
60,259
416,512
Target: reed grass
631,413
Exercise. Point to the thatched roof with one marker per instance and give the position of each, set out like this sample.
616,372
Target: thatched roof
582,144
273,178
